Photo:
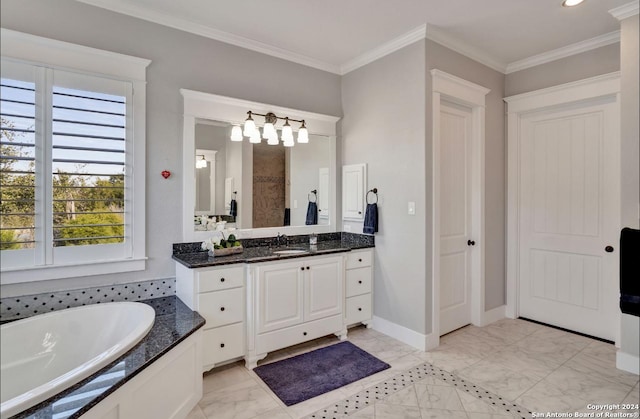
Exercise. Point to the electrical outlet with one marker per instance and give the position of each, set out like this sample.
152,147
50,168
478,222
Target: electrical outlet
412,208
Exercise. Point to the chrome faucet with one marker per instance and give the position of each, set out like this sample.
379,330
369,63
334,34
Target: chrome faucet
282,239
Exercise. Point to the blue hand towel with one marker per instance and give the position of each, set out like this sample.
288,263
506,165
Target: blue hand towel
312,214
233,208
371,219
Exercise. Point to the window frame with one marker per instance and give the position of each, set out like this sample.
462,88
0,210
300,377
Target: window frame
37,51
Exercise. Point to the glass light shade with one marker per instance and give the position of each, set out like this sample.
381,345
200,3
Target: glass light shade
273,140
287,132
255,137
289,143
249,127
303,135
268,131
236,133
570,3
201,163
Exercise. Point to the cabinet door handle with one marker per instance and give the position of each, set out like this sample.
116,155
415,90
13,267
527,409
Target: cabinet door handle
221,279
359,282
221,308
222,345
308,268
359,308
471,242
608,249
304,333
359,260
359,212
302,268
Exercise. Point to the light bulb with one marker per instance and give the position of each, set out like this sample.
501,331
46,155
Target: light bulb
303,134
249,126
201,163
289,143
236,133
255,137
273,140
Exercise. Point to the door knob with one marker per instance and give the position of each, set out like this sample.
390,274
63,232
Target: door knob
471,243
608,249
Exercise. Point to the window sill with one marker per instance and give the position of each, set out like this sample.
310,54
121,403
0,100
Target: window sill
44,273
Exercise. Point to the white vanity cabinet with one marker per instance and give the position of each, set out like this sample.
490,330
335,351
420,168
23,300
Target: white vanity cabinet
358,287
218,294
292,302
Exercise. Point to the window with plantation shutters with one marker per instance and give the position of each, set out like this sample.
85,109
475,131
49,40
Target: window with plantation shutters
67,172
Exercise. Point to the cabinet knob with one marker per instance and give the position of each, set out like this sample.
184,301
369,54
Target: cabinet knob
222,345
221,308
308,268
471,242
359,282
359,308
359,212
302,268
359,260
319,210
608,249
304,333
221,279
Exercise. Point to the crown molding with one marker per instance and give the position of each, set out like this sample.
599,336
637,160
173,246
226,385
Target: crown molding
625,11
387,48
567,51
185,25
438,35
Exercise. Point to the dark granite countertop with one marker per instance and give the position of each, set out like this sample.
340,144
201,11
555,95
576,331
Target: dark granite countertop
174,323
263,250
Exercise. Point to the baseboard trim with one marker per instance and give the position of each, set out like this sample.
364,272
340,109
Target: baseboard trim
493,315
627,362
401,333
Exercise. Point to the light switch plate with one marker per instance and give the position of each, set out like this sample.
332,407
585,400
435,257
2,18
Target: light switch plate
412,208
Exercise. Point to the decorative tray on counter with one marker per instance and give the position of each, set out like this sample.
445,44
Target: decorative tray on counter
226,251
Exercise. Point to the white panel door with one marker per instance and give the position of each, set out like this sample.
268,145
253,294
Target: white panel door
323,288
455,217
281,291
569,212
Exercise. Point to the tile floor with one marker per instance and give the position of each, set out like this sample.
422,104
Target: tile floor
475,373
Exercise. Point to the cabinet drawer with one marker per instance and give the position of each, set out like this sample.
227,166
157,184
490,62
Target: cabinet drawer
359,259
219,279
221,307
358,309
222,344
358,281
271,341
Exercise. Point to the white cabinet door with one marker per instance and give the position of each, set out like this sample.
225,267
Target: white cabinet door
323,288
353,178
280,296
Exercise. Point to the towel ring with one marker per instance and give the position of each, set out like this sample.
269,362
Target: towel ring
375,192
315,194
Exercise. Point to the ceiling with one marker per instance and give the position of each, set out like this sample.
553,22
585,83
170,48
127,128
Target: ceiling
336,35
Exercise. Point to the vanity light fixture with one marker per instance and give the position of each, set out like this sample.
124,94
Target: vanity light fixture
201,162
269,131
571,3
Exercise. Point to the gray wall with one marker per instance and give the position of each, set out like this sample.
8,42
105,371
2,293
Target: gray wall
591,63
179,60
630,153
384,126
442,58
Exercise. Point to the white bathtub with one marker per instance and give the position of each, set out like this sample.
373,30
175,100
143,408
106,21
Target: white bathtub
45,354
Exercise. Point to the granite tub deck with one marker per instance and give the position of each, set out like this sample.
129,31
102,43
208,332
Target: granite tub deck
263,249
174,322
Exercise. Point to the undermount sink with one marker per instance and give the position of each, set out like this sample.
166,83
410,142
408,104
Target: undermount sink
290,251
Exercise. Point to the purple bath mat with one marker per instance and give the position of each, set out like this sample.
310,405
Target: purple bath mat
317,372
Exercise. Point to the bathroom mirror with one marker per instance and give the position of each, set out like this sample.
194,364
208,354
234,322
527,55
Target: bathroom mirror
272,186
